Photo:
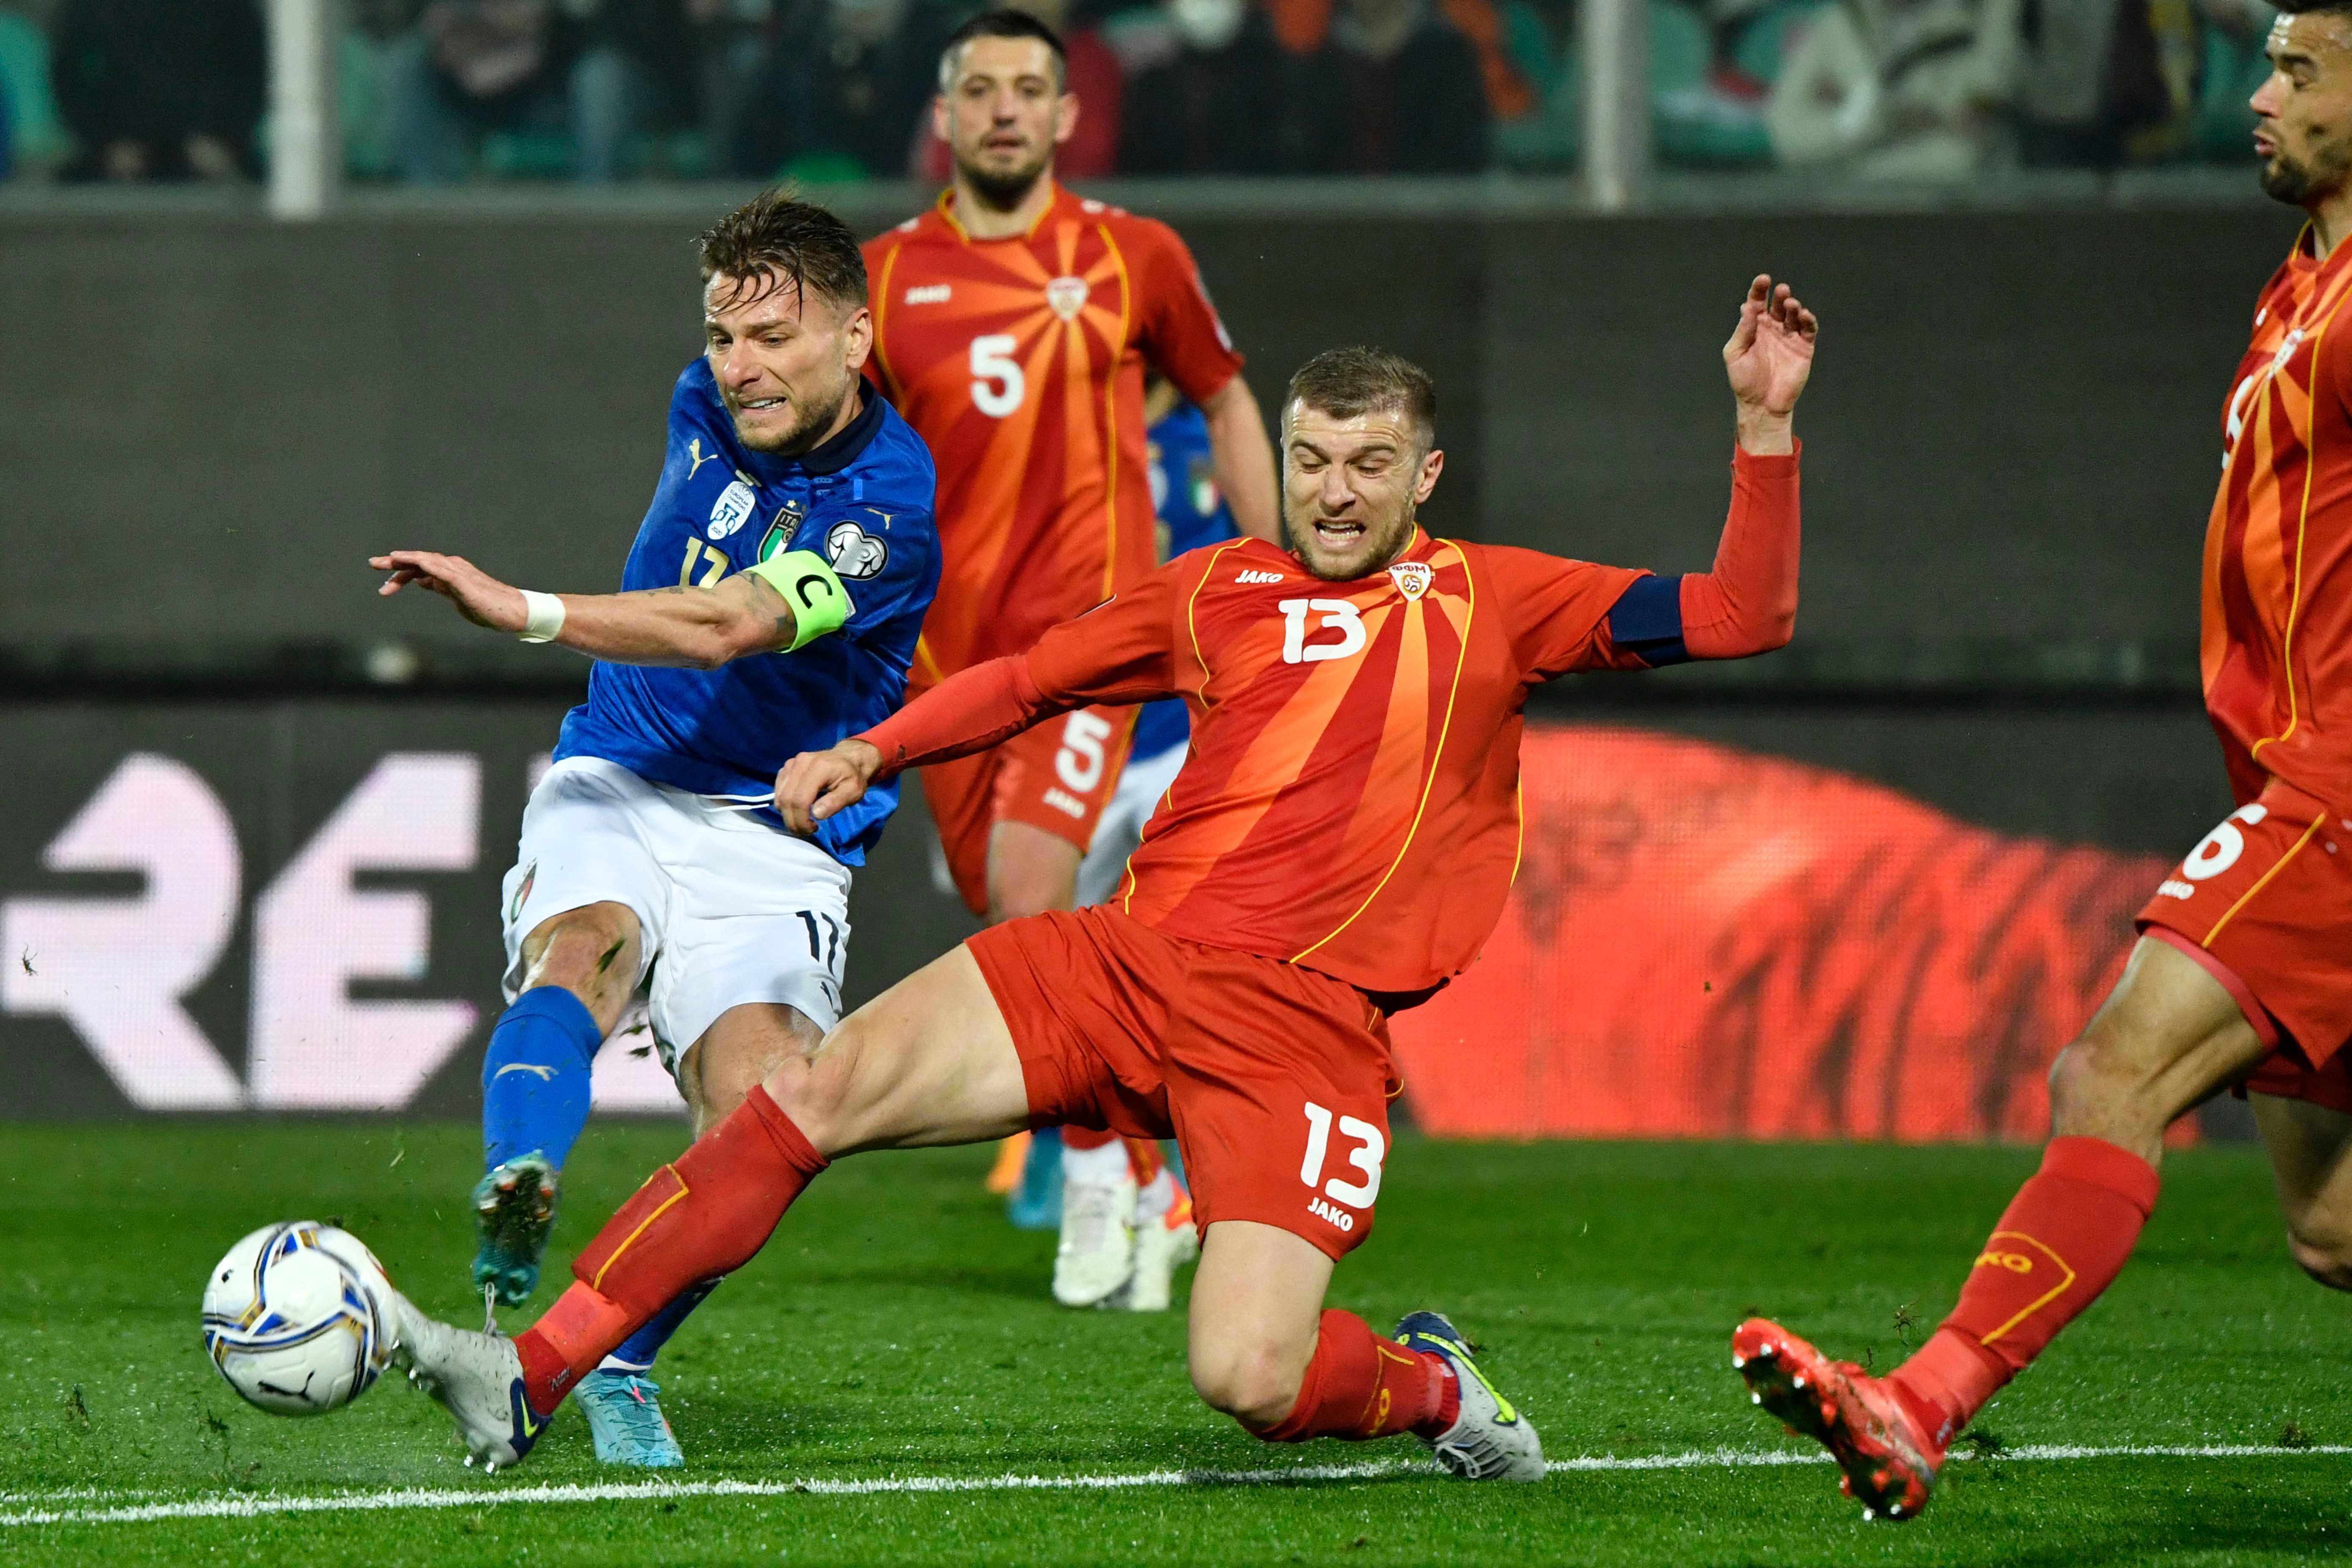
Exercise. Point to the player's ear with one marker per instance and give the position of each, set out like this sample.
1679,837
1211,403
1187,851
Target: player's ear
857,338
1432,465
1066,117
942,118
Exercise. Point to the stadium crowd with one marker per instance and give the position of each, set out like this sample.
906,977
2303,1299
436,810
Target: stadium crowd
829,90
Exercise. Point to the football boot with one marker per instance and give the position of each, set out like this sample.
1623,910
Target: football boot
514,1213
1489,1441
1889,1461
624,1419
478,1378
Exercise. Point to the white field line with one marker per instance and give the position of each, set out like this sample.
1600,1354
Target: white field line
244,1505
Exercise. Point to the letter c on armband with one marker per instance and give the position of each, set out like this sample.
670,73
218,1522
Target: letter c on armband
808,583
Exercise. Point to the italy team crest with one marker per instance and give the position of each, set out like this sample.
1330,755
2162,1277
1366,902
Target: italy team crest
1067,295
1412,578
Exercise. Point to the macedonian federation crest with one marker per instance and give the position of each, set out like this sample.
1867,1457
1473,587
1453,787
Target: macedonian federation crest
1412,578
1067,295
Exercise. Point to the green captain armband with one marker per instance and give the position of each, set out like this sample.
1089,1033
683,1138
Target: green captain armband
806,580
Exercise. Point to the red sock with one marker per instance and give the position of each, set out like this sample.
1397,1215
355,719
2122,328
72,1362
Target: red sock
1360,1385
2061,1242
703,1217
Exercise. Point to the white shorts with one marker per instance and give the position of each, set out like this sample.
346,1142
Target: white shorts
732,910
1140,784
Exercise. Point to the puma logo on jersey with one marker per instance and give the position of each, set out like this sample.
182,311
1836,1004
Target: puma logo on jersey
694,451
546,1075
930,293
1257,576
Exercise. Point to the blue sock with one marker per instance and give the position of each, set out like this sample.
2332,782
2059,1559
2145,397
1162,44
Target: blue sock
636,1352
535,1077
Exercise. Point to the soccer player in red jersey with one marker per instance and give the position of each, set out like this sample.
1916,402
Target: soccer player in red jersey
1337,847
2243,975
1012,324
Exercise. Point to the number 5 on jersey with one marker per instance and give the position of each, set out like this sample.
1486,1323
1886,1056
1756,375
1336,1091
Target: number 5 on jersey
1371,1147
997,384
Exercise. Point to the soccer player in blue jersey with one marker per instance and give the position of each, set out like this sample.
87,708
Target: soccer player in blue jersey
770,606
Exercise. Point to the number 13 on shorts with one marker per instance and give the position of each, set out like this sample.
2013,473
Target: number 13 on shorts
1371,1147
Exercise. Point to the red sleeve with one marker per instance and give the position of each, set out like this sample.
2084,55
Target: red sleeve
1555,612
1119,652
1181,333
1748,605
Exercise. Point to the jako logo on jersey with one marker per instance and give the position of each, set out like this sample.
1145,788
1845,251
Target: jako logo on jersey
1413,577
929,294
734,508
1324,1211
1257,576
1067,295
855,554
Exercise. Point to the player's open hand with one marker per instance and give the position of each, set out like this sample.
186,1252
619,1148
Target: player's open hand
815,784
479,597
1771,350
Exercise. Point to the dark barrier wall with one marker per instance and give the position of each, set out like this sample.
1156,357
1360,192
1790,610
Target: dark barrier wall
2013,437
294,905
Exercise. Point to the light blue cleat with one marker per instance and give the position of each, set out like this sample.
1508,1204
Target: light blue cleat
623,1411
514,1211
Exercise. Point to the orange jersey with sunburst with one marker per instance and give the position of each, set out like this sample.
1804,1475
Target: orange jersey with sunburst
1351,798
2277,634
1019,363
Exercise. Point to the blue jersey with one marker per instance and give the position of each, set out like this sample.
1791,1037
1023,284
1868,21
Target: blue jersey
862,501
1191,514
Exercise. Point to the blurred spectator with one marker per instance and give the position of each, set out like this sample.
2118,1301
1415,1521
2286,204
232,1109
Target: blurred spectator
37,142
2234,66
7,133
730,55
1540,38
2106,82
1394,89
1204,103
159,90
846,83
1096,78
1906,89
588,77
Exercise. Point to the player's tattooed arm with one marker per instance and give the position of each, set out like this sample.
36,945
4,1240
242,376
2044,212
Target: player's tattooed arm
1767,360
689,626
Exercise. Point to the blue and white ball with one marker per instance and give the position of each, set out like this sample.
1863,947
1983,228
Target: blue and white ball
300,1318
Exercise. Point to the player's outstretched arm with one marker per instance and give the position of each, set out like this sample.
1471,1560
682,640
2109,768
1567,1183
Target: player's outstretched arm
685,625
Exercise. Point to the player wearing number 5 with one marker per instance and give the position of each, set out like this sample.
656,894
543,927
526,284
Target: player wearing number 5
1012,325
1338,846
771,603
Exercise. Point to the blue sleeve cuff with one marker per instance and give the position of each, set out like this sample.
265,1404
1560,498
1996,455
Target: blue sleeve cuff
1646,621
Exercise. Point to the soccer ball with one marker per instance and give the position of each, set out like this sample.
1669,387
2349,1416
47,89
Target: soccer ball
300,1318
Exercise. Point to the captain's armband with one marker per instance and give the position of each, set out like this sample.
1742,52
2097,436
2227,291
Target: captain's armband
806,580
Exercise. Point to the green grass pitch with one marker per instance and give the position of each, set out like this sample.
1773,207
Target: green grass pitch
896,1328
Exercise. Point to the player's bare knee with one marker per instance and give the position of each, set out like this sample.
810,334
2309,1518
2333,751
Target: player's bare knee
1254,1382
2324,1254
816,1088
2095,1084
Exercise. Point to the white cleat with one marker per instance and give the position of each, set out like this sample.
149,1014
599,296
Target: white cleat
1097,1250
478,1378
1489,1441
1160,1249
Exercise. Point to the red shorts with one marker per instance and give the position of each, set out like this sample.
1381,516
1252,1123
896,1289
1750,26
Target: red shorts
1057,776
2264,903
1274,1080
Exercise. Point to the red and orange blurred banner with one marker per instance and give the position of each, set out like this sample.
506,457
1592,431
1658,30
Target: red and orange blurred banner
1704,942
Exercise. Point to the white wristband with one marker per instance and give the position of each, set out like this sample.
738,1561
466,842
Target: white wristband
545,617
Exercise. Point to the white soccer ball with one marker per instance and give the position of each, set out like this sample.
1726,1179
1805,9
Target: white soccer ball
299,1318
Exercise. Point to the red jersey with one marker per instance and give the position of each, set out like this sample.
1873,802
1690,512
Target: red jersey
1019,363
2277,632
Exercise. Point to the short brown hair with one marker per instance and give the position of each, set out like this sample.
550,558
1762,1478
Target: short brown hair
1006,23
777,235
1350,382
